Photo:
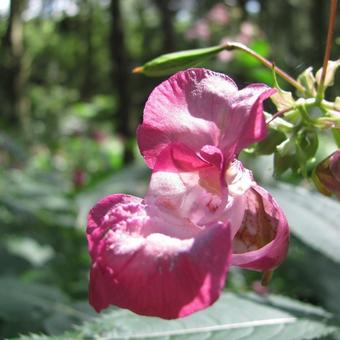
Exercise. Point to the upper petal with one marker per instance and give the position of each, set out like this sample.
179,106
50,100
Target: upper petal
248,111
198,107
137,265
262,241
188,108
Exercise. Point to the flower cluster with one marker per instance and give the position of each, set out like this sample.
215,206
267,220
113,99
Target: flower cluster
168,254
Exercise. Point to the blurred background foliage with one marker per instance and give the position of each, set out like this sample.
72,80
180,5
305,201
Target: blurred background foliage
69,107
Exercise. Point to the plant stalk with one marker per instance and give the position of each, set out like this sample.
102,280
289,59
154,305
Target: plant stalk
328,49
235,45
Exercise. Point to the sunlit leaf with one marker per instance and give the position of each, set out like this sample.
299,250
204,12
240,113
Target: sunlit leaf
245,317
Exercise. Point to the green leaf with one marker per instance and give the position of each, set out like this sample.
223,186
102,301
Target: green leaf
284,157
234,316
313,218
297,273
172,62
131,180
336,136
268,146
35,306
42,197
306,146
246,60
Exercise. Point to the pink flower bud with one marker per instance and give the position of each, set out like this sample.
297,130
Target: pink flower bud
326,175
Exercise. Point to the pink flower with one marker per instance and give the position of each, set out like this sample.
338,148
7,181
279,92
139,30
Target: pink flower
247,32
200,30
168,254
218,14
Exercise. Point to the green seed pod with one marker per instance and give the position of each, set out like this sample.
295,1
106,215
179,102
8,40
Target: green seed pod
172,62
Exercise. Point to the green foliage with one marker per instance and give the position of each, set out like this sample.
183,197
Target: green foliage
314,219
63,152
37,307
234,316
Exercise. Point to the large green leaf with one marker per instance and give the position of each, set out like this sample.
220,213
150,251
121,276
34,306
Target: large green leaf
313,218
30,199
297,276
132,180
36,307
245,317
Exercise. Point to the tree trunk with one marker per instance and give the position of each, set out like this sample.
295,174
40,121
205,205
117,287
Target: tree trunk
121,76
166,24
15,72
318,26
88,82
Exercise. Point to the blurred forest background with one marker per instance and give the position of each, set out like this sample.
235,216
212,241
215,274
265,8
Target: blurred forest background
69,107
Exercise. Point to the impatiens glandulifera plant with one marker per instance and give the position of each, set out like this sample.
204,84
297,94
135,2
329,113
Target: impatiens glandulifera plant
168,254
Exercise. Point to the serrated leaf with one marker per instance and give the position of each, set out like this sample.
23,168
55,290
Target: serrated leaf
234,316
313,218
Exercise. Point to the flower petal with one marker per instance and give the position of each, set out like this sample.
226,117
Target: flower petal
187,186
262,241
188,108
245,119
198,107
239,180
136,265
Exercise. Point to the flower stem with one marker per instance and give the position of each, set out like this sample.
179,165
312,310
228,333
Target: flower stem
329,44
266,277
235,45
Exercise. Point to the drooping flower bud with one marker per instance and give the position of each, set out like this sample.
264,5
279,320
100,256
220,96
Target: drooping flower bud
326,175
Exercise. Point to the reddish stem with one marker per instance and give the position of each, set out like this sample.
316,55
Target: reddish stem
328,49
235,45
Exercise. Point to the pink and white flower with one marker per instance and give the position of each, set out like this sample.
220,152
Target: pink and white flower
168,254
